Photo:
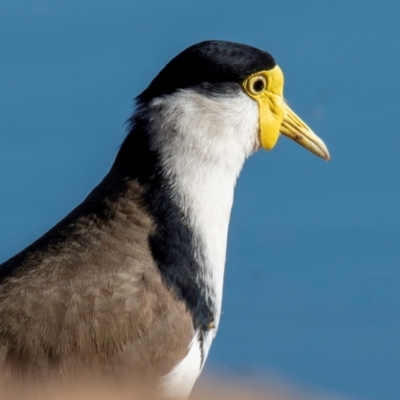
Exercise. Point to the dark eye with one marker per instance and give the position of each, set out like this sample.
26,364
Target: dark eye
256,84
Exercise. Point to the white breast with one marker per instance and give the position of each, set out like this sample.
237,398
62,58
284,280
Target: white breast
180,381
203,142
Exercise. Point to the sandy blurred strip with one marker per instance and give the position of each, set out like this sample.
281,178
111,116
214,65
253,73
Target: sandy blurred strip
219,390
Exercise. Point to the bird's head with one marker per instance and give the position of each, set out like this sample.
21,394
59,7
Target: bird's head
229,90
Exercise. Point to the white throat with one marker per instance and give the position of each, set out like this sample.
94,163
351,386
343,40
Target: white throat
203,142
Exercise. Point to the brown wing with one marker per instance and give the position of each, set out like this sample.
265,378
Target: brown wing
88,297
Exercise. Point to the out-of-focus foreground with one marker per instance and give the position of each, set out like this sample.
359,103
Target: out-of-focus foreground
101,391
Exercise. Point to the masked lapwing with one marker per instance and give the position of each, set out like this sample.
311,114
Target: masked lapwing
130,282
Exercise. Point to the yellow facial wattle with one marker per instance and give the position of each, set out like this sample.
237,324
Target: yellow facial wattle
266,87
275,116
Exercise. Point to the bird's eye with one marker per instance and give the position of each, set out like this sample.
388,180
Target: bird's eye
257,84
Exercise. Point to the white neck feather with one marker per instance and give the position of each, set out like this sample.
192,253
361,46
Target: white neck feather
203,142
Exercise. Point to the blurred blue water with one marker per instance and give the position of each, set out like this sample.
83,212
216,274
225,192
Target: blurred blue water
313,279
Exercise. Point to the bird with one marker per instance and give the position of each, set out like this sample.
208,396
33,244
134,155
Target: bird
130,282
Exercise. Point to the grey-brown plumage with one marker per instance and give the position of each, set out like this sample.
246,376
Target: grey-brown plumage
87,296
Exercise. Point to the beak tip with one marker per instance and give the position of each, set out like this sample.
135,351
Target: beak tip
325,151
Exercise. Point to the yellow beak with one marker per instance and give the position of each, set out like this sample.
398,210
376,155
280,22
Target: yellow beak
294,128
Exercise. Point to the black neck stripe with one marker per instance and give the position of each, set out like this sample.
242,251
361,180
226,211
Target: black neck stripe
173,242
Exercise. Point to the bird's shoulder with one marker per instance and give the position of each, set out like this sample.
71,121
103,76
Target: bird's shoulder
89,293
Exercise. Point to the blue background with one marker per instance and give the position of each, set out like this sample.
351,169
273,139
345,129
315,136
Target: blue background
312,287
